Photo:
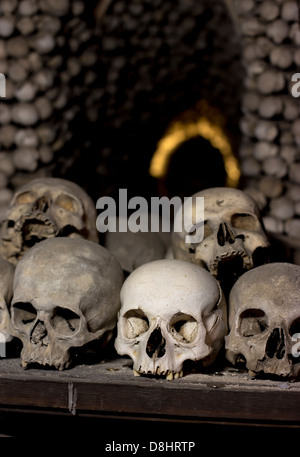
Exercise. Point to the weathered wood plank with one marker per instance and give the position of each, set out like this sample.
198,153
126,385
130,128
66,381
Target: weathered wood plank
111,389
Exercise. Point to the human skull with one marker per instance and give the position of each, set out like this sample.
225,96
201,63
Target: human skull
6,292
66,294
46,208
234,240
171,311
264,320
133,249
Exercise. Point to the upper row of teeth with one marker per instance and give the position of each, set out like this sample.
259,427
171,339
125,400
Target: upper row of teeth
242,254
170,375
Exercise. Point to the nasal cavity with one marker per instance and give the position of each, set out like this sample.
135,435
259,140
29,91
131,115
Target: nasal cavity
221,235
276,344
225,235
156,346
42,204
38,333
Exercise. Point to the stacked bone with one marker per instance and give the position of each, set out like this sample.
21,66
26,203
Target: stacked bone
144,63
44,55
149,44
157,59
270,151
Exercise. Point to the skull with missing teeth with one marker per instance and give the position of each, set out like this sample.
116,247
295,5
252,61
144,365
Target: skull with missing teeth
264,320
66,294
171,311
46,208
233,238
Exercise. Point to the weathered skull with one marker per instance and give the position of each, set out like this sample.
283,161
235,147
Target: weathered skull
66,294
6,292
234,240
133,249
264,320
46,208
171,311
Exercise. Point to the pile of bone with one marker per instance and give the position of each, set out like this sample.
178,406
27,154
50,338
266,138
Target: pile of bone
65,290
42,85
140,39
215,295
270,151
55,65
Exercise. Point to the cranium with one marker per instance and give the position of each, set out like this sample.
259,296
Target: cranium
234,240
264,320
6,292
66,294
171,311
46,208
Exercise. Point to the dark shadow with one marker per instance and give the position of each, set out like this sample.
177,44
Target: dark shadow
194,166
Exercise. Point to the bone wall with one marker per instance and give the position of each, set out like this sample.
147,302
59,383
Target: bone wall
46,55
269,152
88,95
88,99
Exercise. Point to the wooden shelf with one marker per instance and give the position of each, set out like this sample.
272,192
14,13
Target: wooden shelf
111,390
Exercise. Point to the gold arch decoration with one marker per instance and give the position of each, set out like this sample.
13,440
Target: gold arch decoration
202,120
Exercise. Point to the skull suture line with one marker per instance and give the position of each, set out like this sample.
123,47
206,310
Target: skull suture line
46,208
171,311
66,294
6,292
264,317
234,239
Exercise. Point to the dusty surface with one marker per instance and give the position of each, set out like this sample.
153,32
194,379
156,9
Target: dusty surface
119,371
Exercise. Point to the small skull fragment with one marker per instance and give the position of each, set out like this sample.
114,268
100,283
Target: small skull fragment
264,320
46,208
171,311
66,294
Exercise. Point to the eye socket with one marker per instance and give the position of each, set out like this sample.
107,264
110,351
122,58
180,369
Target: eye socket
23,314
135,323
25,197
65,321
244,221
253,322
207,230
67,202
295,327
183,328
